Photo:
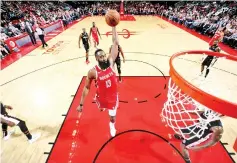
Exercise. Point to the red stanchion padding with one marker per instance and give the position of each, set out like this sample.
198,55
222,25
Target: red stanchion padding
11,43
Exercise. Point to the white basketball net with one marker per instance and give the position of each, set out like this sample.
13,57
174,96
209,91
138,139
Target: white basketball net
181,113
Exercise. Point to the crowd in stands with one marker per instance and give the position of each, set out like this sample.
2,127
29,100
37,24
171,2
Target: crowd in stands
206,18
98,8
203,17
142,8
17,15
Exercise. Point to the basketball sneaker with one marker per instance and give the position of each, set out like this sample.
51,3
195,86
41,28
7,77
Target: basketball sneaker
112,132
87,61
112,129
8,135
34,138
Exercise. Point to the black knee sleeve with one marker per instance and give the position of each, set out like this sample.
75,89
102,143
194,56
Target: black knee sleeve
4,129
23,126
4,126
24,129
119,69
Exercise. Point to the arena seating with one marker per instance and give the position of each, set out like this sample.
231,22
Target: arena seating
203,17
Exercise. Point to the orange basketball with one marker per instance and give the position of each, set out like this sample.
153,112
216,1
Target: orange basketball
112,18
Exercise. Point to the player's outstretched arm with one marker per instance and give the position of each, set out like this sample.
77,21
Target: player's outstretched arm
114,49
86,89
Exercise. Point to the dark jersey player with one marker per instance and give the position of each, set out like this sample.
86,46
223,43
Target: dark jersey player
85,40
118,61
211,136
213,46
106,82
7,120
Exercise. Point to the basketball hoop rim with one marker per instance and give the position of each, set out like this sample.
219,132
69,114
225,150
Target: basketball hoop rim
215,103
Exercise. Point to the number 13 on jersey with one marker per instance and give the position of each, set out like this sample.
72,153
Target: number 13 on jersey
108,83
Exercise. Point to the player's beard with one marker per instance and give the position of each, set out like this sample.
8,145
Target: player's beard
104,64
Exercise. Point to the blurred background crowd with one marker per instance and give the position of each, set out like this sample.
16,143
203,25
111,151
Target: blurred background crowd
203,17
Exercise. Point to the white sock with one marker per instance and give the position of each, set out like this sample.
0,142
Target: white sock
111,125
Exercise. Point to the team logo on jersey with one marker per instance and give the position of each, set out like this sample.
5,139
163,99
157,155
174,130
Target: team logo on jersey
125,33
